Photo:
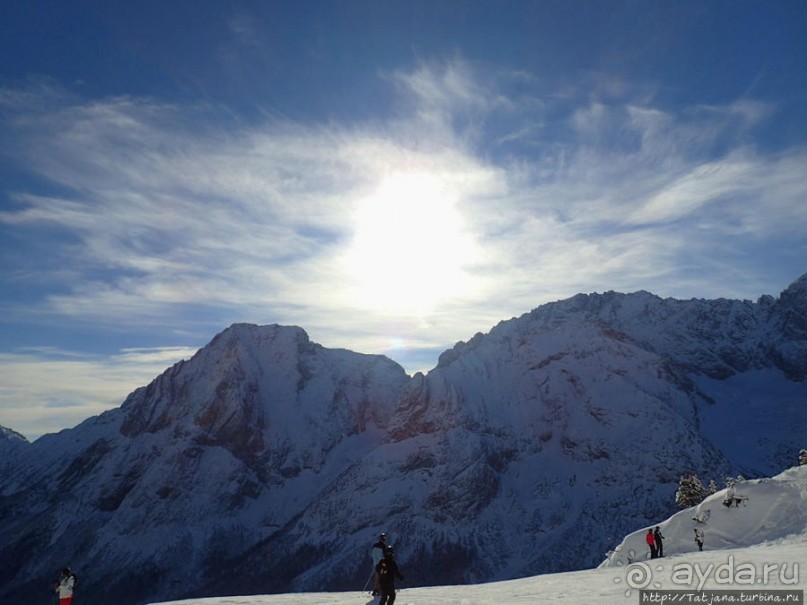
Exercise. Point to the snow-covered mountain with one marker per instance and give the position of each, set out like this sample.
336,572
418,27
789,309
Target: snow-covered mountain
12,444
267,463
216,454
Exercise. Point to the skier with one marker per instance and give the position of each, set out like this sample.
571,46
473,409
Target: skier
659,539
699,538
64,588
651,542
377,553
388,570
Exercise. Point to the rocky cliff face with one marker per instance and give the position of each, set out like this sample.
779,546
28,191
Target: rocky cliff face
526,450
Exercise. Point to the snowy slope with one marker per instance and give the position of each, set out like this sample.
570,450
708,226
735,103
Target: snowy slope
759,546
771,510
745,415
590,587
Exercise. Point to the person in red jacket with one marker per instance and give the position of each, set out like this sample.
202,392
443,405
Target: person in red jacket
651,542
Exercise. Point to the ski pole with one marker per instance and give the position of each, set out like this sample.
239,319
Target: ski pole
367,583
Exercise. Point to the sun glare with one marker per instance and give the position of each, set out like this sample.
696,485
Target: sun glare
409,248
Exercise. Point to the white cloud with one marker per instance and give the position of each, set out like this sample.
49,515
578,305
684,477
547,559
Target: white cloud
46,390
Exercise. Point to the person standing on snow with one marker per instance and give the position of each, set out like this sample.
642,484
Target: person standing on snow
64,588
699,538
388,570
377,553
651,542
659,539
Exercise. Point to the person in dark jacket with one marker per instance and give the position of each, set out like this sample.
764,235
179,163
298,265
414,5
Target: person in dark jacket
659,539
377,553
651,543
388,570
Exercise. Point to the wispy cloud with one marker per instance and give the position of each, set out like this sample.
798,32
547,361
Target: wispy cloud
46,390
153,209
185,210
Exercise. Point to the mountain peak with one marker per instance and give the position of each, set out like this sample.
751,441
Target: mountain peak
260,335
10,435
797,291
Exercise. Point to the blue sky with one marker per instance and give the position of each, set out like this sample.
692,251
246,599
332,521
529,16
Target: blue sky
391,176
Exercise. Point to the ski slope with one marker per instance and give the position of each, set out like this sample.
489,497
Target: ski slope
605,586
759,545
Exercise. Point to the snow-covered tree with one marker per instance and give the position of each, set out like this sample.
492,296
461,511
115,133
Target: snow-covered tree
732,481
711,488
690,491
803,457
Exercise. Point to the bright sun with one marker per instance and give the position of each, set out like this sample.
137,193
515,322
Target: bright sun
409,248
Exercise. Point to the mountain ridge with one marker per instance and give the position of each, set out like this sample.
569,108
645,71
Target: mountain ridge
269,454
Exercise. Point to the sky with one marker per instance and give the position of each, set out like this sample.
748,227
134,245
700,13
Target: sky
393,177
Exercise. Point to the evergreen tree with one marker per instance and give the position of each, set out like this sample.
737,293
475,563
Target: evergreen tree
690,491
732,481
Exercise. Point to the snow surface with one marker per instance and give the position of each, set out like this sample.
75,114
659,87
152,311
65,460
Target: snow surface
758,545
591,587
